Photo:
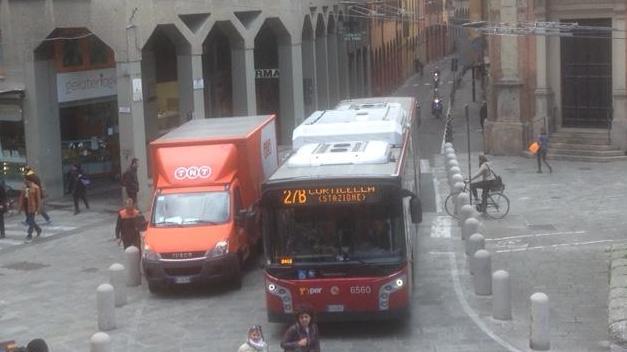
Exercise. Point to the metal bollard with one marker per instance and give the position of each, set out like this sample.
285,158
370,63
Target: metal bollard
539,339
474,243
465,212
100,342
501,299
470,226
117,279
133,260
106,307
483,273
462,199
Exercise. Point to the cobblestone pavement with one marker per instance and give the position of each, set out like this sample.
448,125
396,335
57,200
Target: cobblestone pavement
549,242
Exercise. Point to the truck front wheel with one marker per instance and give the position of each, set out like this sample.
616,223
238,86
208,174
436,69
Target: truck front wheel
155,287
236,279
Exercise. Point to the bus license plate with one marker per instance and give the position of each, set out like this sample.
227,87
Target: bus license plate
182,279
335,307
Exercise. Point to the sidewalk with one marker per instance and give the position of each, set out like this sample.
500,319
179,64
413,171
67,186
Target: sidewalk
554,240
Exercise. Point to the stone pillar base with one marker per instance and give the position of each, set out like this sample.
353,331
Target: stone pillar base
504,137
619,134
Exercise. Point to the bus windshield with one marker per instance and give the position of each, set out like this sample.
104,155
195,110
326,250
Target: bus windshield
191,209
366,233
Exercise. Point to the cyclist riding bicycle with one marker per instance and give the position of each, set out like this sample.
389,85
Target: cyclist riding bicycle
488,182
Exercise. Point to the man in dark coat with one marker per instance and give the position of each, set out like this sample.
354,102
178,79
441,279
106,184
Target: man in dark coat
129,223
130,181
77,186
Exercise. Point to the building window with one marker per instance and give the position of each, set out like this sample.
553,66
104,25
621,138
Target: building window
72,53
98,52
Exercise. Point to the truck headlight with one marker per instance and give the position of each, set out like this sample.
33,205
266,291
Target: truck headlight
151,255
221,249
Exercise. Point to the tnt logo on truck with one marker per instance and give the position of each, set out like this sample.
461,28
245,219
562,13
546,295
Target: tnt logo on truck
192,172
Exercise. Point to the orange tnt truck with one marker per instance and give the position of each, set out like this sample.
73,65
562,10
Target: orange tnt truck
207,177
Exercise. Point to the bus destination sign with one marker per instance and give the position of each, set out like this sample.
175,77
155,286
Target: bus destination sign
330,195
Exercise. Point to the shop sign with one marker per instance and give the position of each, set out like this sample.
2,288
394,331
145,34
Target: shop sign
10,112
72,86
265,73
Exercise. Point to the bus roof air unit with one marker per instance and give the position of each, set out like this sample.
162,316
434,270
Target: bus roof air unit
339,153
353,122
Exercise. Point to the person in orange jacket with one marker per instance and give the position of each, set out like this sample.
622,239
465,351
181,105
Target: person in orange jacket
30,203
129,223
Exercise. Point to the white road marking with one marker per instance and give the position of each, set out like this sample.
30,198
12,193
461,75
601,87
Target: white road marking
533,235
425,166
553,246
470,312
441,227
438,198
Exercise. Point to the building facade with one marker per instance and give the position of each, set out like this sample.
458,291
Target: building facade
93,82
570,79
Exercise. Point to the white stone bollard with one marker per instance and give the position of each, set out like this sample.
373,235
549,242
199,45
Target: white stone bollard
482,279
100,342
465,212
448,145
106,307
539,337
449,156
451,163
457,178
134,277
470,226
462,199
501,298
453,171
117,279
474,243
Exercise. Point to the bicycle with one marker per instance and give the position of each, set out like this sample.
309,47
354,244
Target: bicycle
497,204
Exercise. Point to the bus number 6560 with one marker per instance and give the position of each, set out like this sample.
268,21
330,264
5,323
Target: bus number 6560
360,290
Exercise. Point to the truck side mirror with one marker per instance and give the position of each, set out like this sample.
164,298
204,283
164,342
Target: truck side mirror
415,208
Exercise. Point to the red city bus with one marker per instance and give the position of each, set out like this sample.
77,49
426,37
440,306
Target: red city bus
338,216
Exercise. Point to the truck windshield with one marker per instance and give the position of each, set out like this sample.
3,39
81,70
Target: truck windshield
366,233
191,208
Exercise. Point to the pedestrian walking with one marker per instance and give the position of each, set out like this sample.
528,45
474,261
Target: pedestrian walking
254,341
130,181
4,207
37,345
77,186
543,144
418,66
128,225
483,113
303,335
30,202
30,174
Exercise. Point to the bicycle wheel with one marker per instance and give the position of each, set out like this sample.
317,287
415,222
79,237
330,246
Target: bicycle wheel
449,205
498,205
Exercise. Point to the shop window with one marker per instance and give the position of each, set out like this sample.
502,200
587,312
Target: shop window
98,52
72,53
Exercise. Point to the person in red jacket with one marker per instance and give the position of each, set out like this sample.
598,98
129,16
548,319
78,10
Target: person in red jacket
129,223
303,335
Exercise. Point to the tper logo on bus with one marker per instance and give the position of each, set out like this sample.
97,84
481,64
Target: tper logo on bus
304,291
192,172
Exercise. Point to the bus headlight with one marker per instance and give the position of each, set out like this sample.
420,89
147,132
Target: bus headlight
283,294
221,249
386,290
151,255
